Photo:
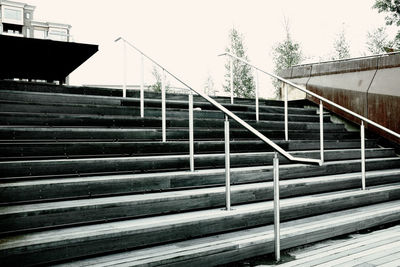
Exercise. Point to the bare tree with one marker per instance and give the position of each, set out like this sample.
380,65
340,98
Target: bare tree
377,41
243,80
341,46
156,87
285,54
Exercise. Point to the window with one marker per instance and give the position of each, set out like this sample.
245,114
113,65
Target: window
12,29
12,14
28,32
58,34
27,15
40,34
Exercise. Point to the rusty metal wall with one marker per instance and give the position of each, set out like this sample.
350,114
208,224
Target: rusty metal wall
367,86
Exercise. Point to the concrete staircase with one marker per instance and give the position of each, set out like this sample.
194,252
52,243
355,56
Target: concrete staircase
86,182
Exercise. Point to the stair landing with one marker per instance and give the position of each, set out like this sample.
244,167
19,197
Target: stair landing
377,248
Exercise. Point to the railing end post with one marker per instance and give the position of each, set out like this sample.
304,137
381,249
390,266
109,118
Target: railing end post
191,132
362,130
276,208
227,165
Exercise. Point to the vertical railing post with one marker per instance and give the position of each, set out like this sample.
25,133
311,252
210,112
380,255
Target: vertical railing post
191,133
321,130
257,95
124,69
163,108
286,112
141,86
227,166
231,77
276,208
363,155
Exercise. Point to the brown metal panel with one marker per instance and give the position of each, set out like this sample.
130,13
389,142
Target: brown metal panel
337,67
385,109
353,100
367,86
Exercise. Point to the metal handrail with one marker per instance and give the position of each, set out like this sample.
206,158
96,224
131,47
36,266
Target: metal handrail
362,118
276,161
230,114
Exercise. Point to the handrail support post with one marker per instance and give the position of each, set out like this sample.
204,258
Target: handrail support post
257,96
227,165
163,108
321,130
286,111
276,208
141,86
124,69
191,132
362,130
231,77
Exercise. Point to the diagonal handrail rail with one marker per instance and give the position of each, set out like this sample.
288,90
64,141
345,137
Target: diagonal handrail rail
362,118
229,113
276,164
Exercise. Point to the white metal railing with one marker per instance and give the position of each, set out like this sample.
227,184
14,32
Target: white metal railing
322,100
68,37
230,115
210,100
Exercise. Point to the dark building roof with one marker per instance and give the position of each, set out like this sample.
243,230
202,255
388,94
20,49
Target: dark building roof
28,58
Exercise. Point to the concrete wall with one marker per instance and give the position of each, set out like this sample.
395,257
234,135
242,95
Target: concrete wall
367,86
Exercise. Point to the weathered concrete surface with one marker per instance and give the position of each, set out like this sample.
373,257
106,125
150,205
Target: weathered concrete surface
367,86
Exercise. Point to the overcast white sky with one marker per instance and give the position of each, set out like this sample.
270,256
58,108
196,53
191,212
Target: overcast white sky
186,35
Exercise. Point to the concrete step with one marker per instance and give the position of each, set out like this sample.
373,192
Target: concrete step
34,168
67,108
239,245
22,190
73,242
54,119
154,134
104,209
38,98
52,150
93,91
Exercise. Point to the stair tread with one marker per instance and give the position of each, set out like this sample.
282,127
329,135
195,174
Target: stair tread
68,192
175,174
199,156
119,100
192,250
141,224
190,193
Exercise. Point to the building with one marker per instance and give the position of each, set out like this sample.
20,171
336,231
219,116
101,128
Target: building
16,19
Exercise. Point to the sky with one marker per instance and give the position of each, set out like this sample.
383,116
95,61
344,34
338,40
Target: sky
186,36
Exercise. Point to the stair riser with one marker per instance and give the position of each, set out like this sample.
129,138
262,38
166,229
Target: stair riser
113,187
25,221
127,185
132,165
35,98
81,120
150,112
238,251
23,151
35,87
172,134
82,246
